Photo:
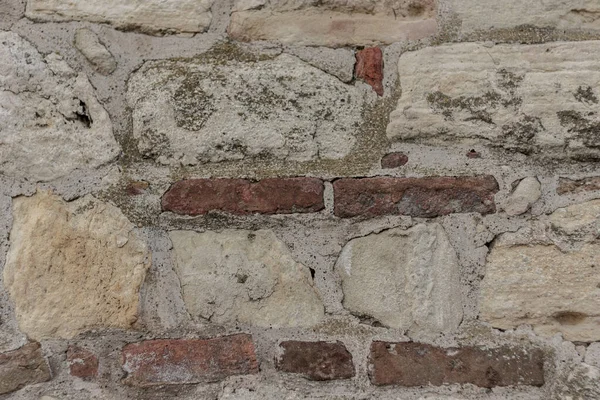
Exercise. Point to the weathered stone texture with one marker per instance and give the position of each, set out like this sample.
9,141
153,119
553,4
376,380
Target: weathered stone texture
184,361
369,68
244,276
581,382
73,266
333,23
150,16
21,367
419,364
239,196
50,120
82,362
526,192
417,197
97,54
393,160
533,99
205,110
319,361
405,279
574,186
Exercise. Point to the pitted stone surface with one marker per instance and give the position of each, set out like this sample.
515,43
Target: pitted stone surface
532,99
50,120
405,279
72,267
201,110
244,276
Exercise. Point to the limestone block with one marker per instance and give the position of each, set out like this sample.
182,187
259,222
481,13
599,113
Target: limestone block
72,267
528,98
50,120
97,54
405,279
527,192
244,276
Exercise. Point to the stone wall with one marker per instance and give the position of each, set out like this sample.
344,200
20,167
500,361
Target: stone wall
300,199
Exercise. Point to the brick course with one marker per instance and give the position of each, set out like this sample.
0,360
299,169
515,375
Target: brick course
319,361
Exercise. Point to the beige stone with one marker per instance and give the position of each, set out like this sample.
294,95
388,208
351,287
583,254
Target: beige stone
527,192
244,276
72,267
97,54
405,279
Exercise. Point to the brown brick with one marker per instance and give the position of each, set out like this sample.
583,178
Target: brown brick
21,367
181,361
82,363
417,197
369,68
394,160
319,361
417,364
240,196
570,186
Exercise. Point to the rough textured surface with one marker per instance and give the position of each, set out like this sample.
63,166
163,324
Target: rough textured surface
184,361
581,383
574,186
50,120
369,68
319,361
73,266
82,362
393,160
21,367
246,277
417,197
88,43
206,110
419,364
526,192
150,16
239,196
538,99
406,279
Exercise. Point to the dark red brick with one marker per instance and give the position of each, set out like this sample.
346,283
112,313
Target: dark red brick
240,196
417,197
22,367
369,68
394,160
82,363
570,186
319,361
417,364
182,361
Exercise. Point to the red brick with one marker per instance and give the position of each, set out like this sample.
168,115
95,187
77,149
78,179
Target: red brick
369,68
394,160
417,197
417,364
569,186
82,363
181,361
22,367
240,196
319,361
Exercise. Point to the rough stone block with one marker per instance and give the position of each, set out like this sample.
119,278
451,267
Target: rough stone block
319,361
96,53
574,186
526,192
21,367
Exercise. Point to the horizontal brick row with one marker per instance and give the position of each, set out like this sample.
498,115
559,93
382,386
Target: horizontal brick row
370,197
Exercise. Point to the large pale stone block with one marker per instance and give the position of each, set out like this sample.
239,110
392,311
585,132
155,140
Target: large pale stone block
150,16
529,98
72,267
244,276
50,120
210,110
405,279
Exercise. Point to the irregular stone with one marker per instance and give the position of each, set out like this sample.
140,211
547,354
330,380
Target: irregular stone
417,197
393,160
148,16
592,354
534,99
72,267
582,382
570,186
405,279
96,53
239,196
527,192
369,68
578,220
82,362
22,367
185,361
337,62
244,276
333,23
319,361
209,110
50,120
419,364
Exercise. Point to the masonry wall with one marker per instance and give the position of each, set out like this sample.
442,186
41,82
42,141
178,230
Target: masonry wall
300,199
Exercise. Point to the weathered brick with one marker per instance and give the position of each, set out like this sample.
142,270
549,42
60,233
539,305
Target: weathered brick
394,160
240,196
417,197
21,367
319,361
181,361
82,362
418,364
570,186
369,68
